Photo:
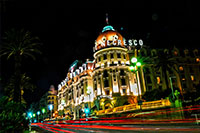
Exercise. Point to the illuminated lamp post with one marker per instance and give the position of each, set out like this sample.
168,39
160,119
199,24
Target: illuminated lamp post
87,112
38,113
30,114
89,92
134,67
51,108
43,111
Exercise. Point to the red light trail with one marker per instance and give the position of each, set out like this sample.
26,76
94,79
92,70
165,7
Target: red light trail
124,123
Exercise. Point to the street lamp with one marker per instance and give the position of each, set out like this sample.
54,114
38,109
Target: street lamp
38,113
43,111
133,60
30,114
87,111
89,92
134,67
51,108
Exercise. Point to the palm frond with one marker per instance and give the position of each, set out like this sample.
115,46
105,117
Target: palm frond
20,43
29,55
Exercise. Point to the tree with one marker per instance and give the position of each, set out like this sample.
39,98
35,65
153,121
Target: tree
19,44
24,85
12,116
156,94
164,63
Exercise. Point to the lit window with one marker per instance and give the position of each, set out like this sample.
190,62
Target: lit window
192,77
183,79
175,53
197,59
181,68
158,80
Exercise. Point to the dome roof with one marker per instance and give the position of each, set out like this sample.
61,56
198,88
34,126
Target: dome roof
109,37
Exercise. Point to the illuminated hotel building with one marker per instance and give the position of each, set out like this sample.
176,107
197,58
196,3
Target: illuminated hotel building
104,78
106,81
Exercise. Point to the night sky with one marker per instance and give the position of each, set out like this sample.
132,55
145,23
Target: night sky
68,31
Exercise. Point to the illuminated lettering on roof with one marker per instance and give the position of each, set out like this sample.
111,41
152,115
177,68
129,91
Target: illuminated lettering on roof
111,38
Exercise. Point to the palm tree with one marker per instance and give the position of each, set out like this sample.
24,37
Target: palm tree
164,63
19,44
24,85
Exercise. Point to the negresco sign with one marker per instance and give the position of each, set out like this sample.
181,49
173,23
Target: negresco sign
108,43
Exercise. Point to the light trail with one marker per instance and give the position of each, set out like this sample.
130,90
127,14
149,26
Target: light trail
96,125
65,127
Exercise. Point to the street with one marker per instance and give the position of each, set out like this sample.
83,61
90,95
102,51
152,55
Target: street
122,126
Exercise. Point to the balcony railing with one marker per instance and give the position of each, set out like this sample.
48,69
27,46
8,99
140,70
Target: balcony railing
145,105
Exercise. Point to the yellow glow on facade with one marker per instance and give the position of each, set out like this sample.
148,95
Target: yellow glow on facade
121,92
158,80
192,77
98,91
181,68
115,88
197,59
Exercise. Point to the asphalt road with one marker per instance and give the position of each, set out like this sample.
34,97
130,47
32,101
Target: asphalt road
74,128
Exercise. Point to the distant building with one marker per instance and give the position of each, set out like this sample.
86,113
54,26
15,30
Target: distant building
52,98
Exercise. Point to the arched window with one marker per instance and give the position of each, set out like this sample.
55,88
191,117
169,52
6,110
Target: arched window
195,52
153,53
